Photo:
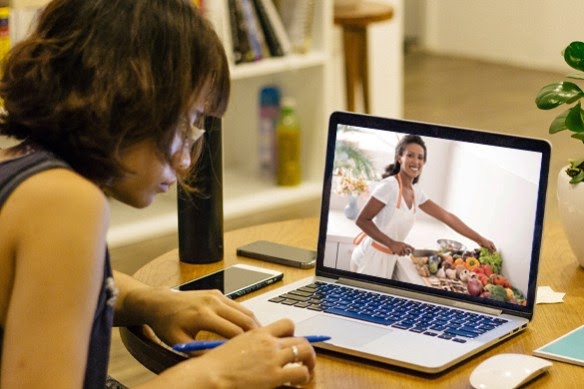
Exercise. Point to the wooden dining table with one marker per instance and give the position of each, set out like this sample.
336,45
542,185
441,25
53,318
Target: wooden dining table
559,270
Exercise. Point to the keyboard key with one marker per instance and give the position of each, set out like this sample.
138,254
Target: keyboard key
458,332
291,296
356,315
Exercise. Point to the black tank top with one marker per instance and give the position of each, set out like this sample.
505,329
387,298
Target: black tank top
14,172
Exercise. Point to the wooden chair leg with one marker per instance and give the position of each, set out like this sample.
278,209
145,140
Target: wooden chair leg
356,66
351,72
364,64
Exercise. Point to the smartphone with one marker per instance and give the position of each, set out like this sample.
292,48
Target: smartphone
279,253
234,281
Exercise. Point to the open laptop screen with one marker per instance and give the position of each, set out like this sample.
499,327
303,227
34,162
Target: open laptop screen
495,184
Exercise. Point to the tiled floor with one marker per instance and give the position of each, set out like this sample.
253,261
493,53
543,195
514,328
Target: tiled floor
454,91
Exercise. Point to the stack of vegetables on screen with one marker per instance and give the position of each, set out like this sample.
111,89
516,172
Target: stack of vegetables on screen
476,272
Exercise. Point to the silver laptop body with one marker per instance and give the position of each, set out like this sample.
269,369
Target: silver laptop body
495,183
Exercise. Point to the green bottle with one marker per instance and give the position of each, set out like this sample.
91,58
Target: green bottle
288,171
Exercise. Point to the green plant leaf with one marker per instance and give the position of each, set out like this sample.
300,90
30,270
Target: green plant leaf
579,136
558,93
578,178
574,119
559,123
355,160
574,55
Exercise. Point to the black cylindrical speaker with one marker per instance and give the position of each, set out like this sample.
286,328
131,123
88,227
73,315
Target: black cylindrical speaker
200,215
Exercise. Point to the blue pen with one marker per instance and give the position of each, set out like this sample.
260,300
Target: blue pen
209,344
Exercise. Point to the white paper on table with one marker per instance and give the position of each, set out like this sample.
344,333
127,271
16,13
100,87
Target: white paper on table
546,295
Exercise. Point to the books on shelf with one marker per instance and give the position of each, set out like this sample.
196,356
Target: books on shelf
267,24
297,17
252,30
255,33
241,47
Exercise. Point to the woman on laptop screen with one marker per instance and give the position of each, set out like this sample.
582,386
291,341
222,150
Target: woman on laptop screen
390,212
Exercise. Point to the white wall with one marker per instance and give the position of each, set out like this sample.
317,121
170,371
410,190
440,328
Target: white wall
518,32
386,63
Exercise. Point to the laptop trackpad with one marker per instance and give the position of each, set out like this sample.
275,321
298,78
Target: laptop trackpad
342,331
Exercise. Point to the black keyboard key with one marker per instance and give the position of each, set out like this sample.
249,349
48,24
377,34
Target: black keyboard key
301,293
291,296
357,315
289,302
463,333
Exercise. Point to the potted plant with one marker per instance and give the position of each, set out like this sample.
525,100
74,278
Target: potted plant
353,171
570,189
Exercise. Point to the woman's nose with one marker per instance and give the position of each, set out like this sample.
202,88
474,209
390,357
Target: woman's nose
185,161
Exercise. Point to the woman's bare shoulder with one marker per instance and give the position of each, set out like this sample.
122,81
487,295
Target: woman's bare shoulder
62,184
57,195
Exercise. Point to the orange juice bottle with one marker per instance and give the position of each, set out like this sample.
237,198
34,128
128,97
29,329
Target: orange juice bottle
288,169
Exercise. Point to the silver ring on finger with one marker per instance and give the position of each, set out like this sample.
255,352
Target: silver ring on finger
295,354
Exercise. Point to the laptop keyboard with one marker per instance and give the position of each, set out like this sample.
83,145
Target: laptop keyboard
401,313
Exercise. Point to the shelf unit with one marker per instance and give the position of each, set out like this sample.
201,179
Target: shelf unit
246,194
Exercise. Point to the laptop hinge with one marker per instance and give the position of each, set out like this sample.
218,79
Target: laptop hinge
420,296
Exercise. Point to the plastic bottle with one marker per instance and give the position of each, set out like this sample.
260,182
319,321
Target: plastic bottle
269,114
289,170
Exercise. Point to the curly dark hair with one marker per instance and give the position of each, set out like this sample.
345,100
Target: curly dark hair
400,148
95,77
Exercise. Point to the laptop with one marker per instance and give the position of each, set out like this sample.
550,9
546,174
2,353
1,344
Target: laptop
425,314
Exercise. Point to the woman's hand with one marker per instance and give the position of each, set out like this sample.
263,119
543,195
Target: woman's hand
483,242
400,248
176,317
265,357
181,315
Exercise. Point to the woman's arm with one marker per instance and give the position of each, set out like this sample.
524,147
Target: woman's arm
367,225
454,222
58,226
177,317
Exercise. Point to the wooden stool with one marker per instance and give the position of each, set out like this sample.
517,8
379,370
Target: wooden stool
354,22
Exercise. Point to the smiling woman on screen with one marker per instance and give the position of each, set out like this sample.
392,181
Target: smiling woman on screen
390,213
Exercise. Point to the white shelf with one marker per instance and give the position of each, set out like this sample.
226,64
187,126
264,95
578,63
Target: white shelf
243,196
270,66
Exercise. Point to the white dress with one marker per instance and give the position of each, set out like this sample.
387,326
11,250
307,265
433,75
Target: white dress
394,220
